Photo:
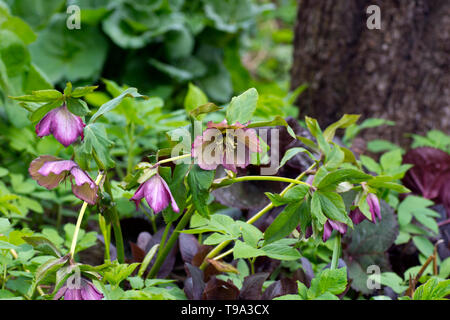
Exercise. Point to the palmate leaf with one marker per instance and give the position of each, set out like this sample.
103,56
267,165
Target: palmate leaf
96,140
67,54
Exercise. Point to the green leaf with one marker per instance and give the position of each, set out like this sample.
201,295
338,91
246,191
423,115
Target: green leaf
68,54
333,207
433,289
205,108
316,209
48,267
329,280
423,245
286,221
314,128
251,234
77,107
242,107
393,281
335,158
95,139
47,95
370,164
79,92
280,251
39,113
331,180
244,251
111,104
344,122
194,98
199,182
44,245
291,153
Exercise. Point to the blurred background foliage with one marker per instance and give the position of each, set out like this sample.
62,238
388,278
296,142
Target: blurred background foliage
170,50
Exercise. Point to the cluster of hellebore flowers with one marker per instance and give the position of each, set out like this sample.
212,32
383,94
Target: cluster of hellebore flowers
49,171
220,144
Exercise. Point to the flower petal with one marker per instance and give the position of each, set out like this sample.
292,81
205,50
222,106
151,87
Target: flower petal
155,194
138,195
84,187
374,206
43,126
90,292
66,127
56,167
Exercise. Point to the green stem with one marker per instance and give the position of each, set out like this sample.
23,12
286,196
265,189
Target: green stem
336,252
130,148
174,159
258,215
269,178
115,221
171,242
80,218
164,237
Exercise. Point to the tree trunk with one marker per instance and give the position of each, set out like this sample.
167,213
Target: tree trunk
400,72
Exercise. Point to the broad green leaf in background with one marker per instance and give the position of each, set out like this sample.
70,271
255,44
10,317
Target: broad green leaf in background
195,97
65,54
242,107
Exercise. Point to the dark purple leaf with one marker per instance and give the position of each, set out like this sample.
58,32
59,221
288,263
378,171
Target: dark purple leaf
430,167
188,246
280,288
194,284
252,286
137,253
216,289
143,240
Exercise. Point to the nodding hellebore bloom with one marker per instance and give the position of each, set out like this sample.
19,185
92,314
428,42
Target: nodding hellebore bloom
84,291
157,193
64,125
374,207
228,145
356,215
49,171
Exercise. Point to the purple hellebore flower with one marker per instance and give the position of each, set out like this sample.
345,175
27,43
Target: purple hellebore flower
86,291
331,225
64,125
157,193
224,144
374,207
49,171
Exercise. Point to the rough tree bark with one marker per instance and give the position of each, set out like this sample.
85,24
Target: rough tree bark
400,72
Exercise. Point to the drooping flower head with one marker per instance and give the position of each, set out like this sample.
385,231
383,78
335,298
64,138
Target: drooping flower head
374,207
331,225
157,194
49,171
64,125
85,290
224,144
